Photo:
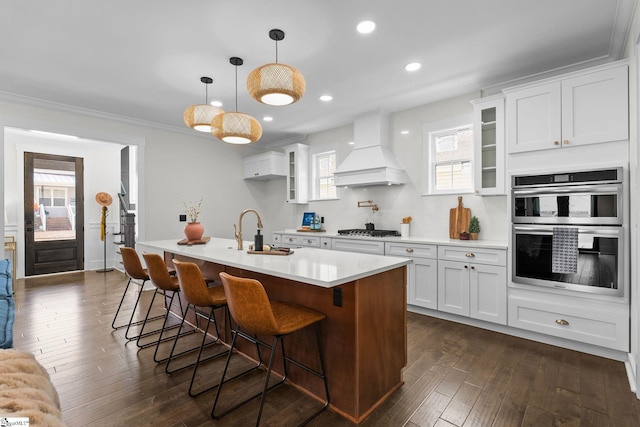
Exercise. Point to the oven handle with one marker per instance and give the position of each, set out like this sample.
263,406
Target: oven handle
591,189
600,231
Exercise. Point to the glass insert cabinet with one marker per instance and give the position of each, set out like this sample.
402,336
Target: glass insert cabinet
489,160
297,165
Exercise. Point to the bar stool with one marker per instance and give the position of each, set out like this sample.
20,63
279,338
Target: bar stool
135,272
163,280
255,315
197,294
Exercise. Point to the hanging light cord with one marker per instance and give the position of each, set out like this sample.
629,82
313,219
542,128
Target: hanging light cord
236,67
276,51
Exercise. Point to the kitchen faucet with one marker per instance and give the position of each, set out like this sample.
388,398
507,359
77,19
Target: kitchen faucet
238,232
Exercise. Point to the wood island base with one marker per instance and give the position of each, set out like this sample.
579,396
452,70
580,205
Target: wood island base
364,337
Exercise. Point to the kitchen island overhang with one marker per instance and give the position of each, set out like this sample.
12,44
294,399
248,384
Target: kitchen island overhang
364,337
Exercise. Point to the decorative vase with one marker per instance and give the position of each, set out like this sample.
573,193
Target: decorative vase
194,231
474,236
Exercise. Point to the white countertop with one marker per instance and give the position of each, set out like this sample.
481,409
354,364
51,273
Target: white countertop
308,265
488,244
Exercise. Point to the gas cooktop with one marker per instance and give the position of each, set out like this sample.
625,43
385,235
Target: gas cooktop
368,233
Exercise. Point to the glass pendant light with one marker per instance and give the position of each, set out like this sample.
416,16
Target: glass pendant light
276,84
199,116
235,127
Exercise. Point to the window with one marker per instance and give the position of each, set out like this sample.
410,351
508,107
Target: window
324,165
450,160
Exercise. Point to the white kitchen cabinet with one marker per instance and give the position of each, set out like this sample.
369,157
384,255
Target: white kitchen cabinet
297,166
586,107
276,238
264,166
488,131
325,243
375,247
422,273
601,323
473,282
299,241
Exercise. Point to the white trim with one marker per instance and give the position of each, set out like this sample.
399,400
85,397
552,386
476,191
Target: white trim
92,134
630,366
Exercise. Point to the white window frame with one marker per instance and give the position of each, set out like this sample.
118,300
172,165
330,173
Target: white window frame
315,156
431,130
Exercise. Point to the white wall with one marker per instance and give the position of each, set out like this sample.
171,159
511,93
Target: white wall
430,213
175,165
632,52
99,175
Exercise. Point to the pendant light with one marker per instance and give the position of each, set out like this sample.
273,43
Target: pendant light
276,84
235,127
199,116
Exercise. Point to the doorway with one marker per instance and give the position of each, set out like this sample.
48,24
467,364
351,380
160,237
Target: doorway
53,213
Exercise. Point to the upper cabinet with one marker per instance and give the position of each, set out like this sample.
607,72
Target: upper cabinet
264,166
297,166
586,107
488,129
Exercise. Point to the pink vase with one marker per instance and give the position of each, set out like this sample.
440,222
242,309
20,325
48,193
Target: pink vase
194,231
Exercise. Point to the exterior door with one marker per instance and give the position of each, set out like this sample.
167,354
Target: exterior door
53,213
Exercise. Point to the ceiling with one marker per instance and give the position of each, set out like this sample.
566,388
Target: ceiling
143,59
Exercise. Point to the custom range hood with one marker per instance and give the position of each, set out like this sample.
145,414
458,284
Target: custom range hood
371,162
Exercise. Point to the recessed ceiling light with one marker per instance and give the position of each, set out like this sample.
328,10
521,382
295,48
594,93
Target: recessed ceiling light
413,66
267,118
352,143
404,132
216,103
366,27
326,98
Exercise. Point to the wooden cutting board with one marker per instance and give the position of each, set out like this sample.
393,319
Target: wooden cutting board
270,252
458,220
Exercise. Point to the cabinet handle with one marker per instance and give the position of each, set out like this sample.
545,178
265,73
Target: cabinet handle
466,266
556,142
291,239
562,322
309,241
470,255
565,142
410,250
325,243
472,267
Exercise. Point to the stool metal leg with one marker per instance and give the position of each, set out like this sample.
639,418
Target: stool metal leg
144,321
167,309
178,335
268,387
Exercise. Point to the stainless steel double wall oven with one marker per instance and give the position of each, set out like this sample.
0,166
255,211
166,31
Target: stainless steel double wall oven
568,231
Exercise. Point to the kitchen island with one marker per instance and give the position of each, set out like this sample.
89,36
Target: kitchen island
364,297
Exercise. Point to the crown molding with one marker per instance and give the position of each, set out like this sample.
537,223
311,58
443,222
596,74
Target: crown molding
36,102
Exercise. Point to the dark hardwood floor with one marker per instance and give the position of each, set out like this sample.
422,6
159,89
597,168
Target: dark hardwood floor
456,375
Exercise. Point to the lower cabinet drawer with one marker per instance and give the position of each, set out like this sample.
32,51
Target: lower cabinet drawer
605,327
418,250
294,241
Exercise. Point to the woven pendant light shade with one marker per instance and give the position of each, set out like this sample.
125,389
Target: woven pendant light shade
236,128
198,117
276,84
